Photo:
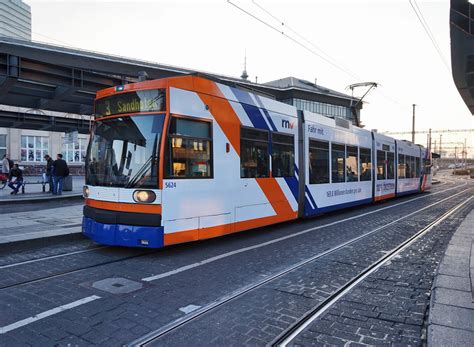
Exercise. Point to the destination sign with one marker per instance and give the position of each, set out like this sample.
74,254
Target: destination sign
153,100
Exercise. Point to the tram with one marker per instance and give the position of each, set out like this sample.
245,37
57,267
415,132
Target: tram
189,158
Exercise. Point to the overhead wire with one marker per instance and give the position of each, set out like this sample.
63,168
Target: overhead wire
429,33
293,39
327,58
320,50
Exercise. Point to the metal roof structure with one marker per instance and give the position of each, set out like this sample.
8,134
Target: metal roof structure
301,84
42,76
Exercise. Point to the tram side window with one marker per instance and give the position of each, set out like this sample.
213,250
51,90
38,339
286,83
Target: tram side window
412,167
408,165
381,167
338,163
318,162
390,165
254,157
352,167
427,164
283,155
365,164
417,166
190,149
401,166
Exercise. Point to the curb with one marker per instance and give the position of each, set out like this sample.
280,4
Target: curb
19,245
77,196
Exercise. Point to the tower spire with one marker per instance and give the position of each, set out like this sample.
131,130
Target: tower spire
244,75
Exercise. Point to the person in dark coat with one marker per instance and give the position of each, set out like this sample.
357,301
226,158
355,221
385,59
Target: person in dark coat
59,171
16,178
49,174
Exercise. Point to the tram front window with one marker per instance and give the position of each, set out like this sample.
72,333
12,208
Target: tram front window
123,152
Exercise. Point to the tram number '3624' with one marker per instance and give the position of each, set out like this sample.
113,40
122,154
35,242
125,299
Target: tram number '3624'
170,184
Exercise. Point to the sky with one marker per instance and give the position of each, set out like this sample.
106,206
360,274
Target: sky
379,41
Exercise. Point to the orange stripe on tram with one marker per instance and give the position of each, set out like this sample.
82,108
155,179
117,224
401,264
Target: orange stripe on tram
384,197
221,110
123,207
276,197
219,230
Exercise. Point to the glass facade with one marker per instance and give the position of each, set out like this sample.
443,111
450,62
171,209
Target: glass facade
328,110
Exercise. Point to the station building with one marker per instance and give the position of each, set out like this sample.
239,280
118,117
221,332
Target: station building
47,72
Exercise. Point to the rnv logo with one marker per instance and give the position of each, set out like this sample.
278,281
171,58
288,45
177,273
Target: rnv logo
287,124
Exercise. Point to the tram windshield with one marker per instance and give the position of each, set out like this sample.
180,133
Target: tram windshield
123,152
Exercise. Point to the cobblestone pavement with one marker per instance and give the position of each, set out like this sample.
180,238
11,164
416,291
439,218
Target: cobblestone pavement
285,300
391,305
115,319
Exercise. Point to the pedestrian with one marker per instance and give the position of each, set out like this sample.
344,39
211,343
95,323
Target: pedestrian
16,178
5,165
49,174
59,171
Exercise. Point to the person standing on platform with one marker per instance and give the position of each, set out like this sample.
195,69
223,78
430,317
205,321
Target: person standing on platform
49,174
5,165
16,178
59,171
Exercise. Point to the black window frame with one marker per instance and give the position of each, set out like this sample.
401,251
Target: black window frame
243,129
390,173
401,165
282,143
357,163
384,165
168,148
319,145
343,146
417,166
365,151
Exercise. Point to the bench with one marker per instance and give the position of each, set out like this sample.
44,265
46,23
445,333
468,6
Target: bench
43,182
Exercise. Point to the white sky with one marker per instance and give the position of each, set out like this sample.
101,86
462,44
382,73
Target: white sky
379,41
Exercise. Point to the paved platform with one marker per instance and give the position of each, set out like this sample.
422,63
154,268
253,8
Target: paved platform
34,192
451,318
32,225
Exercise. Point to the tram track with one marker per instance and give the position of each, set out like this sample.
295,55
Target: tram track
151,252
49,257
298,327
69,272
155,336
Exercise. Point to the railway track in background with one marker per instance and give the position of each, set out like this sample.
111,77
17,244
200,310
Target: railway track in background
154,336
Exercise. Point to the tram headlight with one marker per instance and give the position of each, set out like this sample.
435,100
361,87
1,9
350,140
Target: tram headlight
85,191
144,196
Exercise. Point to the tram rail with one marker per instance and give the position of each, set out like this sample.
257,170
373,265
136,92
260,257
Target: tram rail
298,327
154,336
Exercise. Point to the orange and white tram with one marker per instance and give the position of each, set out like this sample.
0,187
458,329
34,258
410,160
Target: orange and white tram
187,158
